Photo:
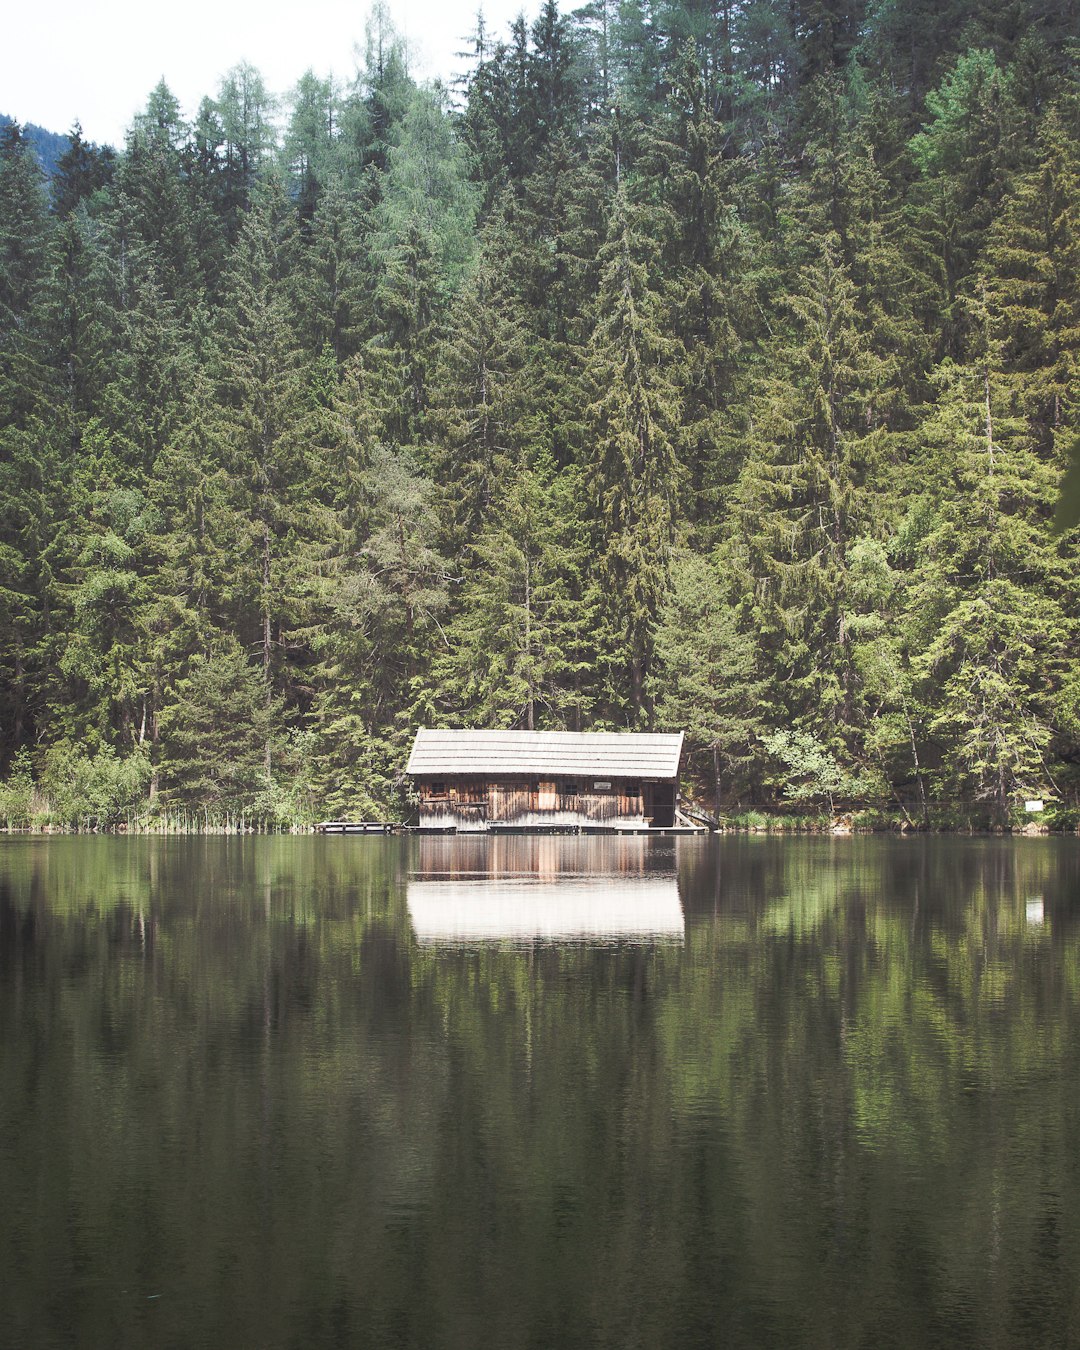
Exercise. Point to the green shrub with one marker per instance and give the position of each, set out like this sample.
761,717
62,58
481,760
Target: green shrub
17,793
93,791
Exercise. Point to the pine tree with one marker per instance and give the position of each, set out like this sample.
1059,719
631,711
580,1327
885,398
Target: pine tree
27,444
497,664
894,718
555,83
154,204
426,187
711,291
400,354
101,598
245,109
1026,277
385,596
24,235
516,647
383,91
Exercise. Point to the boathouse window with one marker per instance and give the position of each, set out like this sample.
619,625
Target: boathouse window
568,789
632,789
437,789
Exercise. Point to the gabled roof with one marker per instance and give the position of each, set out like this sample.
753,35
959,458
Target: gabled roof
536,754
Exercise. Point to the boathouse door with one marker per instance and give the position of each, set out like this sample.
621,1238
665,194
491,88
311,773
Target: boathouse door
547,798
660,805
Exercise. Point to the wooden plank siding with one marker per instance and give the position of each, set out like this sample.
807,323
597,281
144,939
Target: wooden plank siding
507,804
472,803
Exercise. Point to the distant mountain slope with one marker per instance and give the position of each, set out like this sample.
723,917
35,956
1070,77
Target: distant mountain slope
50,145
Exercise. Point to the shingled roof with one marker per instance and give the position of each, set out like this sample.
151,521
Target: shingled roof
538,754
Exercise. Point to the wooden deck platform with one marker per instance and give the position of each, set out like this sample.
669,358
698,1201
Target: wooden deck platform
358,827
395,827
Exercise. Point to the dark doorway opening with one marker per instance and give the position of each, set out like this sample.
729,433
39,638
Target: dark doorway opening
660,805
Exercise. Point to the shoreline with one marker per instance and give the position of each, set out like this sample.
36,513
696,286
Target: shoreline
838,827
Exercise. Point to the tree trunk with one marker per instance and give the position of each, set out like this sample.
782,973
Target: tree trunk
20,703
154,737
266,633
530,706
924,804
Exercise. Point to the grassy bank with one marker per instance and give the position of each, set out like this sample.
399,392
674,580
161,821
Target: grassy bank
875,820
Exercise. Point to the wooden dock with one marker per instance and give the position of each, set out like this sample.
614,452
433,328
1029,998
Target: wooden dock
489,827
358,827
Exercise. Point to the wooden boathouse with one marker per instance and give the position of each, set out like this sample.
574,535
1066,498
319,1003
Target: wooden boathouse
558,780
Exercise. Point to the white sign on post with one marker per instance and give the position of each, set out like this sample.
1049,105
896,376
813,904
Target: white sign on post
1034,805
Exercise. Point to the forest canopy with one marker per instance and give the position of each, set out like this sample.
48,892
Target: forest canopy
688,365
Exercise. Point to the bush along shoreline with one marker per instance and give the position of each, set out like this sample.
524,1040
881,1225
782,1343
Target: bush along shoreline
81,793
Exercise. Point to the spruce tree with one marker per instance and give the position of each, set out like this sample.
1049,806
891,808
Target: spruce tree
632,419
483,402
706,680
991,638
819,448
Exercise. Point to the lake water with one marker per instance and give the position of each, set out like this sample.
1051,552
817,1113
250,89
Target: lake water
539,1093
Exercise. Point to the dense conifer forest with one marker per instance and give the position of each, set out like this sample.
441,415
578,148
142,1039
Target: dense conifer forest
686,365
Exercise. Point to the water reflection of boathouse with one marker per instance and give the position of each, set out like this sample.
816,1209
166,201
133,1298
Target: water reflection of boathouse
487,781
548,888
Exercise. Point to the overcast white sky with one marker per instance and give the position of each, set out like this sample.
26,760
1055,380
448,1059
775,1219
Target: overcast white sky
63,59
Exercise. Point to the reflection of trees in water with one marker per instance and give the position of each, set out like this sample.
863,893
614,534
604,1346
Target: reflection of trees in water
896,1000
841,1112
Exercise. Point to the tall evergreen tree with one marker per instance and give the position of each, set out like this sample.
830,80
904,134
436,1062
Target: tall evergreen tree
483,401
259,402
819,447
633,419
993,631
81,171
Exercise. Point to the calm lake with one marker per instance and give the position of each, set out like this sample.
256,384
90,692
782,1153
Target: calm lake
539,1092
